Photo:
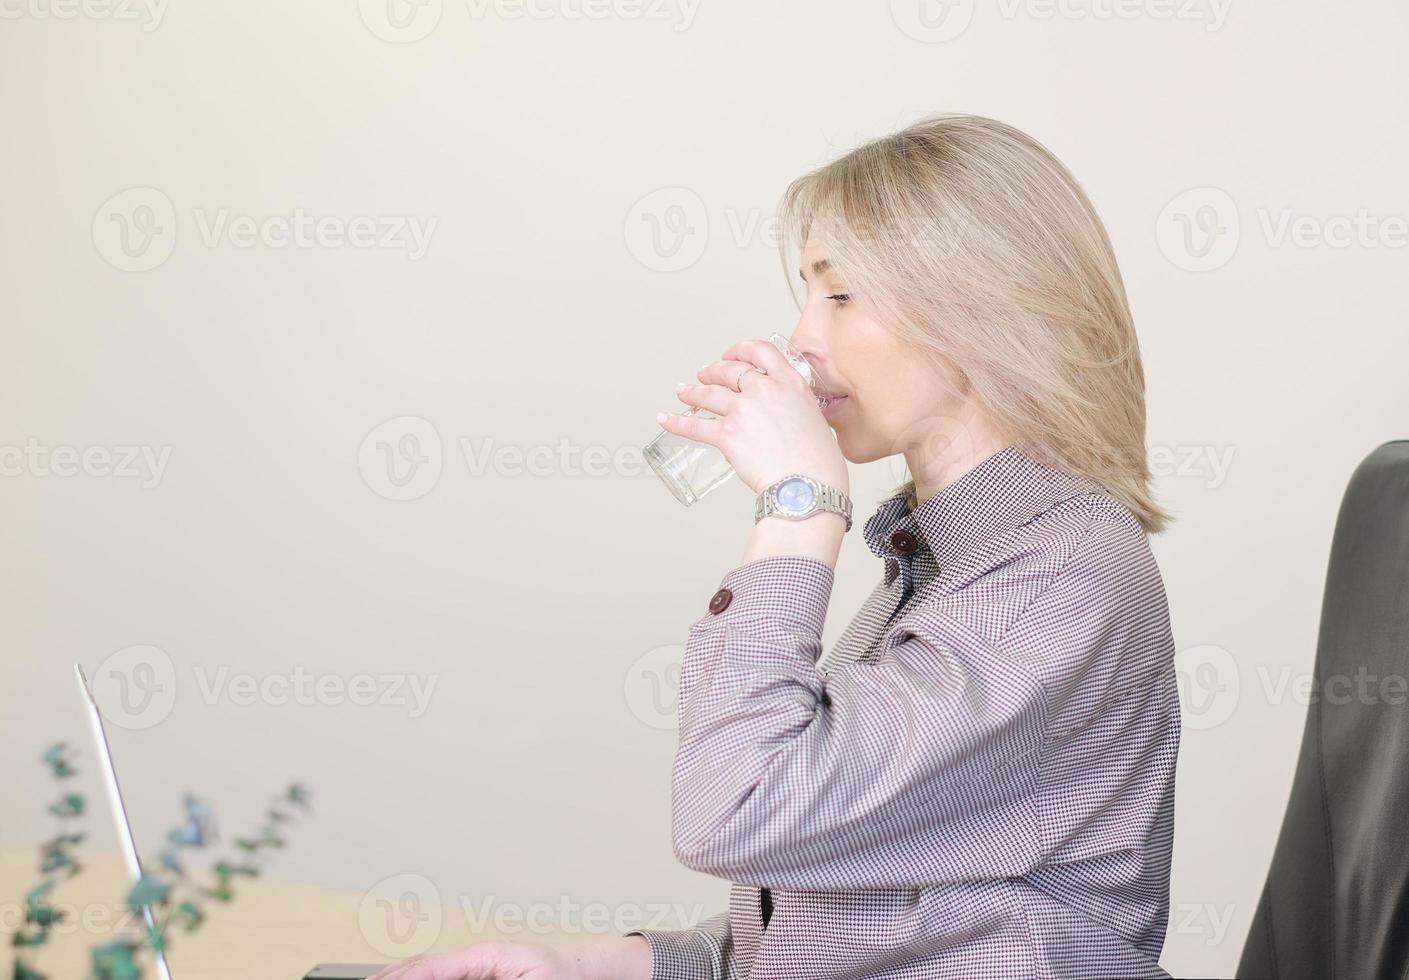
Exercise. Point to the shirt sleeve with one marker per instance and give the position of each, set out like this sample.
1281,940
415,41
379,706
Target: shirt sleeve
703,952
919,768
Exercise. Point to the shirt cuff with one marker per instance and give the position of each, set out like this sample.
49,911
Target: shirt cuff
790,589
684,954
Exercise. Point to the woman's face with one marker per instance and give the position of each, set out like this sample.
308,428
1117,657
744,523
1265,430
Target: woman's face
895,399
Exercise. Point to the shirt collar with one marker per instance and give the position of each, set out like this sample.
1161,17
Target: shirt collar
1004,491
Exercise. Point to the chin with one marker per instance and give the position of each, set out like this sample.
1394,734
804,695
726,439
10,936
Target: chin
853,453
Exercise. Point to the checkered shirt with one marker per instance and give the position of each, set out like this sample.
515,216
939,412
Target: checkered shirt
977,782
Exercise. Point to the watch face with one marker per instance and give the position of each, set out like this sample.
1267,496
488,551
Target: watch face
795,496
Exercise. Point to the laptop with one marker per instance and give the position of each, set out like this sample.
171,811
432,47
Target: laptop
128,846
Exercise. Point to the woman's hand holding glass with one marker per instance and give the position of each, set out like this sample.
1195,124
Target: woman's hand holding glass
768,424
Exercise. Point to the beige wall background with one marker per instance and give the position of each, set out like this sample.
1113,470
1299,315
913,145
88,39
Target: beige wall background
332,332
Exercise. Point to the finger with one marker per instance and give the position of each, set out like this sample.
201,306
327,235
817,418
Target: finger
691,427
712,398
730,374
719,373
392,970
464,964
747,374
760,353
402,969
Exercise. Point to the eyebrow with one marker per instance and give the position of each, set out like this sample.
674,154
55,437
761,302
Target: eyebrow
818,267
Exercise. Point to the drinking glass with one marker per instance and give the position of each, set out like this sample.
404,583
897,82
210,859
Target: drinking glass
691,469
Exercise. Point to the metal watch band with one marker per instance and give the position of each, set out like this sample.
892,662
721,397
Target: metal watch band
829,500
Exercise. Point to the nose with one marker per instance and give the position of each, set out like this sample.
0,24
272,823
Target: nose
808,336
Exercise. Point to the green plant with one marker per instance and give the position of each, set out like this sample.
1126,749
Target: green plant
166,893
56,864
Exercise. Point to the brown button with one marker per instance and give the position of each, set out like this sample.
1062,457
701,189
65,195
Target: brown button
720,601
904,542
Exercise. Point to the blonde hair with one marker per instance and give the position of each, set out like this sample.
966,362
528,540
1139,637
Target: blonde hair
973,242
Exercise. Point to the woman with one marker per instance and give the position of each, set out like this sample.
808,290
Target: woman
978,781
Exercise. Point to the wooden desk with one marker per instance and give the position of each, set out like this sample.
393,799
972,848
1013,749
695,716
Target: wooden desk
273,930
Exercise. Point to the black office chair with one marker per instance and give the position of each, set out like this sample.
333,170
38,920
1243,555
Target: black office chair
1336,902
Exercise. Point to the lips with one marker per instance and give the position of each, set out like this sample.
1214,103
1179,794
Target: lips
828,396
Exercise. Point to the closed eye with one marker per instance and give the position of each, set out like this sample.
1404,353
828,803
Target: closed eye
841,298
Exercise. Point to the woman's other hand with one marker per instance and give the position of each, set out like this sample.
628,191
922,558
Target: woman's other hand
628,960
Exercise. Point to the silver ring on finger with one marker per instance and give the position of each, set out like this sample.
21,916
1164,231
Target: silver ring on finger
739,381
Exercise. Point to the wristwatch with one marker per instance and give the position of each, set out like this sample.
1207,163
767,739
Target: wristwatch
796,497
